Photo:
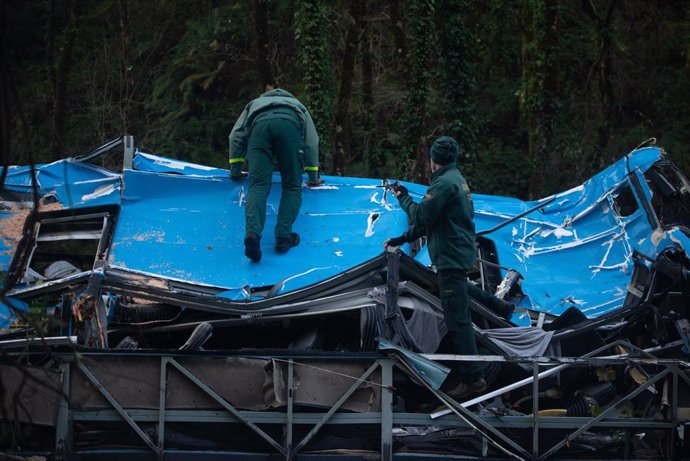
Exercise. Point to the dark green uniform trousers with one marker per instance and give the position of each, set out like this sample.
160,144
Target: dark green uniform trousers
274,134
452,284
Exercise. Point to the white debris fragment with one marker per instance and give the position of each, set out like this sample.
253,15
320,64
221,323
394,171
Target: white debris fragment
370,224
575,301
382,201
324,187
657,236
174,164
560,232
99,192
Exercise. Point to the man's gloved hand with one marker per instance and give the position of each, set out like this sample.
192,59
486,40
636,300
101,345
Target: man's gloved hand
394,242
399,190
315,183
237,175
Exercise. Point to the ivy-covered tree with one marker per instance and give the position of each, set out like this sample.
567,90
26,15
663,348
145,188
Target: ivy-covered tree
458,82
539,84
372,159
601,16
343,129
62,78
311,34
128,117
177,78
261,8
399,38
419,20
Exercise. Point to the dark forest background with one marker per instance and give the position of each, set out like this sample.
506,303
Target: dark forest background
539,93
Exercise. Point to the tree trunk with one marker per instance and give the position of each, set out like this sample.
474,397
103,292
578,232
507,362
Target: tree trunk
4,101
399,39
605,75
417,167
604,71
50,44
61,78
547,68
372,162
343,132
128,117
529,79
458,81
311,28
262,42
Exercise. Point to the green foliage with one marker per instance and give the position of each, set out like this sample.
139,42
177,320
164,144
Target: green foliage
500,170
421,40
311,26
194,70
201,70
457,79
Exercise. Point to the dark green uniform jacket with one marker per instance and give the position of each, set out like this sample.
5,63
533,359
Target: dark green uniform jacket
275,99
445,214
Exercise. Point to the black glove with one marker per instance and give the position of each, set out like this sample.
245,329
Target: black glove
399,190
316,183
395,241
237,176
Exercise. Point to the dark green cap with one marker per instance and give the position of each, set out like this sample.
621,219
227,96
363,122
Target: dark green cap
444,150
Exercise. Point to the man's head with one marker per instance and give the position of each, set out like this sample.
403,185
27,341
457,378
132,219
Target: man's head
443,151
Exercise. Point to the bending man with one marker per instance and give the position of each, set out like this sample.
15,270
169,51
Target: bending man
278,125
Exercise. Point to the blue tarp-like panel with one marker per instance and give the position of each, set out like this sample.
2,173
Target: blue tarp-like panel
8,309
63,184
73,184
153,163
186,221
192,228
578,249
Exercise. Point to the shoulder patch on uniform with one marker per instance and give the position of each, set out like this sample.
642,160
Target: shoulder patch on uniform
465,187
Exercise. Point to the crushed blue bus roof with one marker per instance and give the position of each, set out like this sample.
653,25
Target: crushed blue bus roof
151,260
185,222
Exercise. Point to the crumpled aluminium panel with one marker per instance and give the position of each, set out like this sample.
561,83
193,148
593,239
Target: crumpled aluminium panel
191,227
184,221
577,250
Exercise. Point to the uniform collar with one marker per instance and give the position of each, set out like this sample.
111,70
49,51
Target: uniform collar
442,170
277,92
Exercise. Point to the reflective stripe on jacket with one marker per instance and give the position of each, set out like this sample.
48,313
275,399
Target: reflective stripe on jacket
272,100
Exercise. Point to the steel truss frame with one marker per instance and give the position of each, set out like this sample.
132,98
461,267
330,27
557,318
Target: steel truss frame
488,428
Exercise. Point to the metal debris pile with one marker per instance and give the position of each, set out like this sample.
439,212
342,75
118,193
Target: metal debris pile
586,293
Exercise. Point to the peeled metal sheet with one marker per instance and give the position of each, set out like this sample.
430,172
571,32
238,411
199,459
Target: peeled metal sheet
192,228
578,249
185,222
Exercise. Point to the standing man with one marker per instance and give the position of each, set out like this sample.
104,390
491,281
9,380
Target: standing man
278,125
445,215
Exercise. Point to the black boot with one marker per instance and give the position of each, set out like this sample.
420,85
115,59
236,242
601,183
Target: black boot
283,244
252,247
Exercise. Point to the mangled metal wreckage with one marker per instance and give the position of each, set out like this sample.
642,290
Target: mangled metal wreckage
149,330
